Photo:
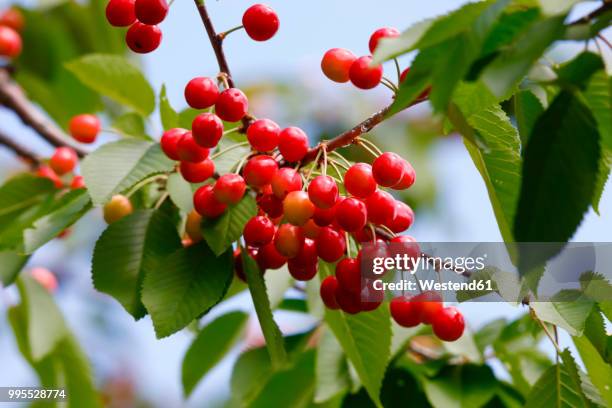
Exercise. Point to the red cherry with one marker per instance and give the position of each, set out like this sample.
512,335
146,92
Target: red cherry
63,160
260,22
298,208
427,305
300,271
381,207
84,128
311,230
336,64
238,267
404,217
349,302
405,244
229,188
121,13
143,38
260,170
329,286
188,150
371,299
348,274
263,135
270,204
351,214
363,75
169,142
197,172
77,182
323,217
403,312
307,254
285,181
207,129
331,244
258,231
206,204
386,32
293,144
359,180
323,192
10,42
48,173
448,324
201,93
269,258
12,18
388,169
232,105
407,179
289,240
151,11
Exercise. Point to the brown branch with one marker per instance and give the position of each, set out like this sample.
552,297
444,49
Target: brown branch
606,6
13,97
24,153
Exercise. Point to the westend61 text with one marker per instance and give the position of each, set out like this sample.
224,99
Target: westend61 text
432,284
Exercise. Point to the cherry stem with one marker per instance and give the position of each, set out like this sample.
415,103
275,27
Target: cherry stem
372,145
398,70
333,164
227,149
359,142
312,167
144,182
224,34
605,40
389,85
346,164
161,200
348,244
241,163
232,130
541,323
324,169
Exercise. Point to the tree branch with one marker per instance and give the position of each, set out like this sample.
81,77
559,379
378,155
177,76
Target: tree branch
24,153
606,6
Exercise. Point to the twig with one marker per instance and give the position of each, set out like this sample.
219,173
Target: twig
606,6
24,153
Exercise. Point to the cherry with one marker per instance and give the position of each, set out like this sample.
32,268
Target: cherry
169,142
448,324
63,160
197,172
336,64
260,170
118,207
232,105
300,271
285,181
238,267
77,182
371,298
323,217
293,144
407,179
307,254
359,180
10,42
263,135
349,275
403,312
193,226
151,11
311,230
328,290
260,22
143,38
121,13
404,216
207,129
381,207
331,244
48,173
349,302
351,214
289,240
405,244
258,231
188,150
298,208
386,32
84,128
12,18
427,305
388,169
323,192
45,278
363,75
270,204
230,188
201,93
269,258
206,204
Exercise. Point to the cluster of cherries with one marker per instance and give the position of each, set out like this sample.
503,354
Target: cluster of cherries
142,16
11,23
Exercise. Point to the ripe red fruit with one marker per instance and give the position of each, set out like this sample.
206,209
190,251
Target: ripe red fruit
351,214
260,170
12,18
403,312
289,240
311,230
293,144
300,271
260,22
84,128
169,142
270,204
363,75
331,244
381,207
118,207
206,204
151,11
48,173
371,299
323,192
404,217
349,275
448,324
427,305
10,42
386,32
388,169
405,245
285,181
258,231
229,188
263,135
77,182
349,302
407,179
207,129
269,258
298,208
197,172
336,64
359,180
307,254
328,289
188,150
201,93
121,13
143,38
323,217
63,160
232,105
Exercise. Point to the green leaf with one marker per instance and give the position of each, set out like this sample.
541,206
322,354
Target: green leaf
186,117
229,159
222,231
209,347
131,124
23,191
169,117
180,192
565,134
555,7
598,97
461,386
569,315
11,264
579,70
127,250
117,166
599,371
527,109
115,77
580,381
555,389
185,285
332,377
